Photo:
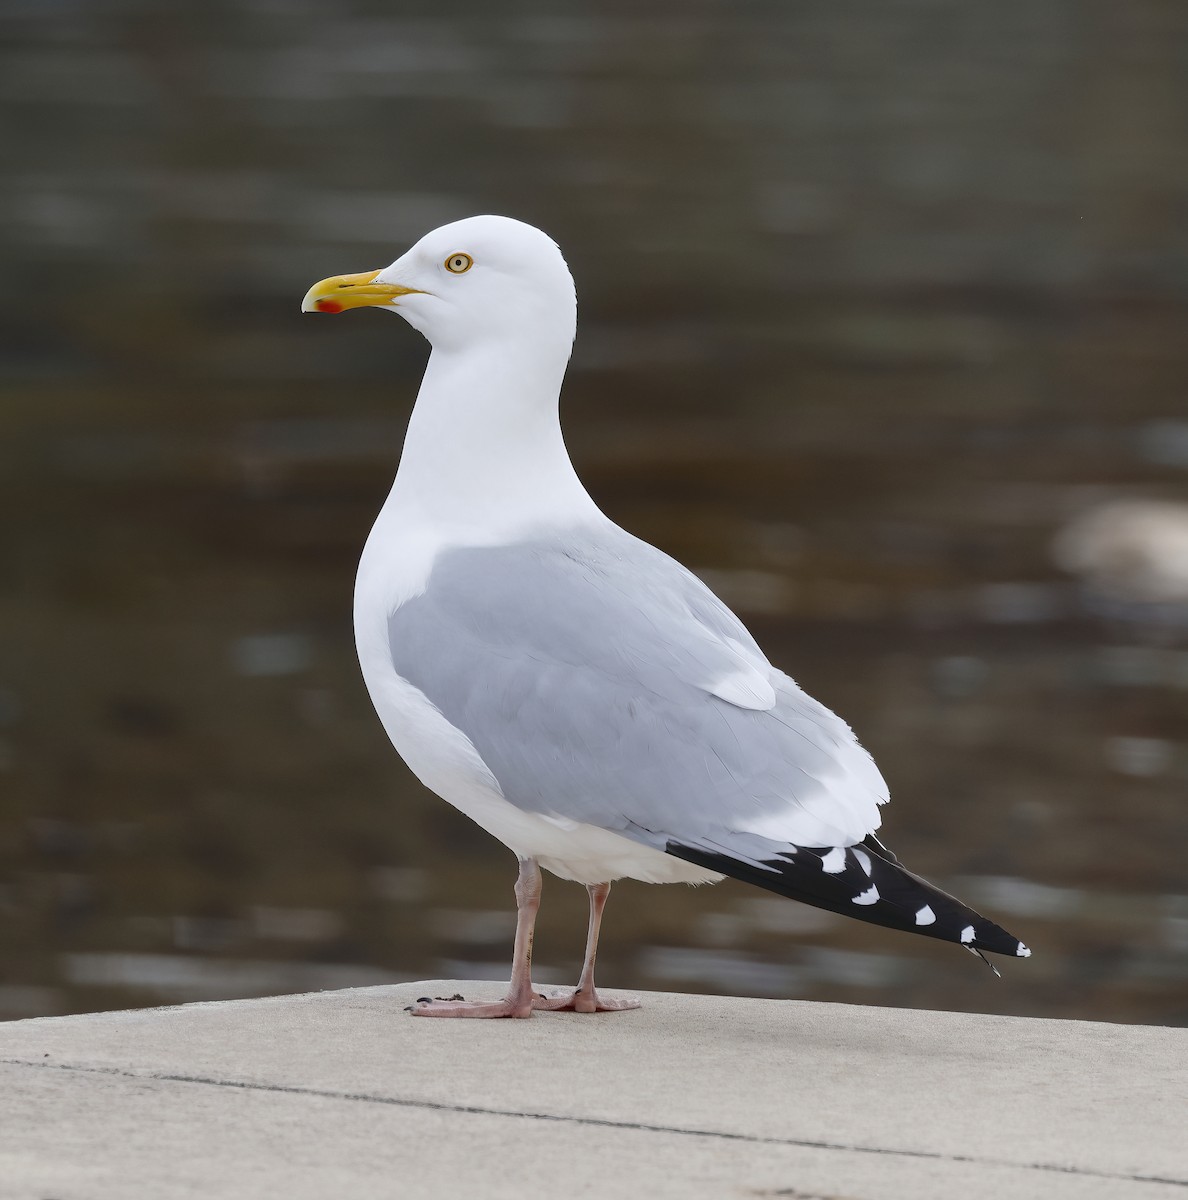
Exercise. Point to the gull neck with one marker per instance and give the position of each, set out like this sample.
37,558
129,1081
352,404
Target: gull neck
484,451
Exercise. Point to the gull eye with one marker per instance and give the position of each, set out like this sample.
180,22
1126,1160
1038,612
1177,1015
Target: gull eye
459,264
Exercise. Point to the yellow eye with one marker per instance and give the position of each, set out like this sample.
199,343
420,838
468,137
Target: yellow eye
459,264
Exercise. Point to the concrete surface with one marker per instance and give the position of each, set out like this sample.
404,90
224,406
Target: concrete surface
341,1094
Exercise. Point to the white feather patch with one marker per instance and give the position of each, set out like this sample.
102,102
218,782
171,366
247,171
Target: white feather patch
745,689
867,897
925,916
834,861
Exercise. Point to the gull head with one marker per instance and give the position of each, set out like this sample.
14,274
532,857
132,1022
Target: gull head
467,282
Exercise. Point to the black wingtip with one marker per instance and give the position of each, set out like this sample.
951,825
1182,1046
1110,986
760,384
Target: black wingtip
864,881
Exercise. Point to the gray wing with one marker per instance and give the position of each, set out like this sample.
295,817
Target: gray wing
602,682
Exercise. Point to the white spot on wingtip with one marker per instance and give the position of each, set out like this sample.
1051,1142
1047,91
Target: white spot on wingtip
867,897
863,859
925,916
967,934
834,861
1023,952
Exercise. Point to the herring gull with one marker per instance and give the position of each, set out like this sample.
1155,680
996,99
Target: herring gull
576,692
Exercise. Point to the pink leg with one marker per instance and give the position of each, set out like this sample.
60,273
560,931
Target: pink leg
518,1001
586,999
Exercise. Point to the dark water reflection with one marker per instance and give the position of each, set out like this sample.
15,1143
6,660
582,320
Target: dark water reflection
851,353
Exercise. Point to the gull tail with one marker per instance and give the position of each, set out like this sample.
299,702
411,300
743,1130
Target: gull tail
864,881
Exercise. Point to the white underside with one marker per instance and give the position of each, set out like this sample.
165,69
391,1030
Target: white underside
395,566
445,760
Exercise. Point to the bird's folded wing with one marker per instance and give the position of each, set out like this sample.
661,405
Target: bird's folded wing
601,682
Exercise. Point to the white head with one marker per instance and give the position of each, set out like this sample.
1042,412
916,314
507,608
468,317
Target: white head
474,280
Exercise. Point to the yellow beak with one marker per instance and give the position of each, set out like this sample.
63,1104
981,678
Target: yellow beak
340,292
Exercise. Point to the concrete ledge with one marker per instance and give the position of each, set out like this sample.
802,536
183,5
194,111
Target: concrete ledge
342,1094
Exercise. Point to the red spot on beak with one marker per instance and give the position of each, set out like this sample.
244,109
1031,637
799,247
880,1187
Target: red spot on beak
328,306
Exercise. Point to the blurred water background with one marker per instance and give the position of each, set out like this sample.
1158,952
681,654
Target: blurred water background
882,330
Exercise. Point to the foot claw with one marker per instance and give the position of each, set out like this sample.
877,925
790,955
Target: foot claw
456,1006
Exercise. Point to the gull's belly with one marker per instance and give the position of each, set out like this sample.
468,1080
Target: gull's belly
444,759
395,566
